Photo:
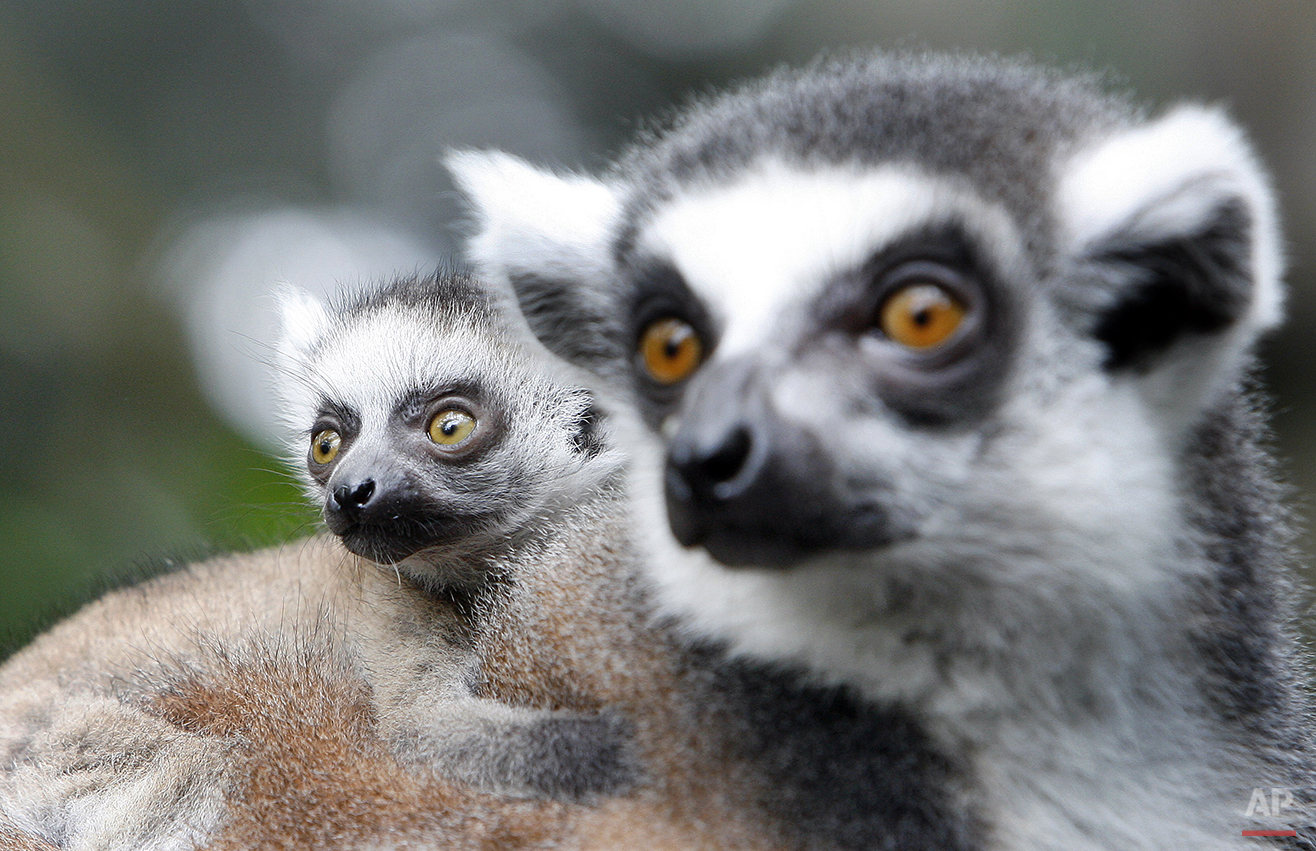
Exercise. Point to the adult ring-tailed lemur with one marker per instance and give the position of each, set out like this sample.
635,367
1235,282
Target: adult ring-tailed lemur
942,373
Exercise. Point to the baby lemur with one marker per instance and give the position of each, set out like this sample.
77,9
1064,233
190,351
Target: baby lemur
443,444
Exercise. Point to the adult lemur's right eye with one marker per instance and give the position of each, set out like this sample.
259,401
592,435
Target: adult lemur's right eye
670,350
324,446
921,315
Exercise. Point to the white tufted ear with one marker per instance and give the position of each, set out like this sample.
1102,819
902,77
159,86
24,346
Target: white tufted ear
533,221
1173,228
550,237
303,320
1168,181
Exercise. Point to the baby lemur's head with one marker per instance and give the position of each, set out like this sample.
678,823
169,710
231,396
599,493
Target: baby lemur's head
432,428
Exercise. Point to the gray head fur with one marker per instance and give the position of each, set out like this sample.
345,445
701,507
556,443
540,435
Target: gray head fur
375,376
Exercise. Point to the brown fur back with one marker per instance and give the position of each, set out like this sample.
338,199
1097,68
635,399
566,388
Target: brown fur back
286,673
576,633
313,770
12,839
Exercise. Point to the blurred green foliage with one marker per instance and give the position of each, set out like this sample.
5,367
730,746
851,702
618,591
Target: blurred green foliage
110,455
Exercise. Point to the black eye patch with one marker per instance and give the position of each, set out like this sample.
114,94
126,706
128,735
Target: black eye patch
938,384
659,291
343,417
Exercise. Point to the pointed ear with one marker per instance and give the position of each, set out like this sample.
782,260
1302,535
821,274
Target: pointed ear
1173,225
303,320
550,237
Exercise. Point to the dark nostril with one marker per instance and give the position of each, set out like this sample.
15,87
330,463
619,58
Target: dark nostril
724,461
352,497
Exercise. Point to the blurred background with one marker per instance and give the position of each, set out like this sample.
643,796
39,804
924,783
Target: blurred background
164,164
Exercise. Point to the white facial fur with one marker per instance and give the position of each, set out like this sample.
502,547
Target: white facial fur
369,363
370,360
770,240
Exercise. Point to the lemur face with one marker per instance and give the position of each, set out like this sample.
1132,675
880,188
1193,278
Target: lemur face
811,397
426,430
902,315
386,484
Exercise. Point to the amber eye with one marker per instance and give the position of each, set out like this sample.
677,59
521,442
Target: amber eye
324,446
921,316
671,350
451,426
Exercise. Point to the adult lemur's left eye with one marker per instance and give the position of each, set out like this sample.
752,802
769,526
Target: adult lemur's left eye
921,315
451,427
670,350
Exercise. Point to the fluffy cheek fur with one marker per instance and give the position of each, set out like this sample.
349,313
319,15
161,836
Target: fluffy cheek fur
373,363
1002,516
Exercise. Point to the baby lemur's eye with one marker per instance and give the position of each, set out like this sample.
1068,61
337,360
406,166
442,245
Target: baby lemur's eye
670,350
921,315
451,426
324,446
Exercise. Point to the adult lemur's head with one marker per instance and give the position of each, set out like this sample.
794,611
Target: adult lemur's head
904,326
432,429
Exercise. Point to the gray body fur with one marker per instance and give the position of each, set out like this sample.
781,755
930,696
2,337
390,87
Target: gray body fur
1056,554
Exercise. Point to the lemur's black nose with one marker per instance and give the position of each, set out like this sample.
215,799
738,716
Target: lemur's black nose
705,465
709,475
748,484
352,498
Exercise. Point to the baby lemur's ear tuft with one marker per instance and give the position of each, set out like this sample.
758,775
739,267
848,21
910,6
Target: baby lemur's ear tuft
303,320
1173,227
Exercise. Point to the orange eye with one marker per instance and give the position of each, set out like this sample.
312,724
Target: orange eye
671,350
921,316
324,446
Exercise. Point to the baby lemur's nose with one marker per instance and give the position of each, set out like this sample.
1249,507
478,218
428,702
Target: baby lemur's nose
354,497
